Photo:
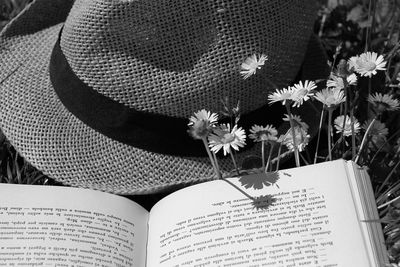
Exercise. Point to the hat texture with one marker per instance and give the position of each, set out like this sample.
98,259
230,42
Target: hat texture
163,58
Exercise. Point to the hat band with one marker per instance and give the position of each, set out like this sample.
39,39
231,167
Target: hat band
152,132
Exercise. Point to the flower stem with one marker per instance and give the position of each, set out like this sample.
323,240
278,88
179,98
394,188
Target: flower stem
304,160
279,156
353,136
364,140
330,134
263,153
271,147
368,33
217,165
234,163
347,105
296,151
213,159
319,135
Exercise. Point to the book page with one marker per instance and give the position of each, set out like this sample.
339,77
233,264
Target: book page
61,226
364,198
307,218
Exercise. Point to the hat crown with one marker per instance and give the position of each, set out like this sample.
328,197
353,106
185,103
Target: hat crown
175,57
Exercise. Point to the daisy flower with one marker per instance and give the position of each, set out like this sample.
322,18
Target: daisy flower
252,64
330,97
301,138
383,102
281,95
201,124
297,121
302,92
338,123
225,138
367,64
261,133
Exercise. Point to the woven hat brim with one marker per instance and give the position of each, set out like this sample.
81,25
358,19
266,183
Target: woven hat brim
57,143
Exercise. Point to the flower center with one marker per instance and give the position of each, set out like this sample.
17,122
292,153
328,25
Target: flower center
370,66
201,128
330,100
228,138
264,135
381,107
301,93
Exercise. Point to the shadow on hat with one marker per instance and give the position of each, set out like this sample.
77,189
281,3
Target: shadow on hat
97,94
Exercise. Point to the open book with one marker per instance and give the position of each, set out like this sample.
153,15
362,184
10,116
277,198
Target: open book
318,215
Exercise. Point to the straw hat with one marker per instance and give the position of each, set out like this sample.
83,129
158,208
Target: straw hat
97,94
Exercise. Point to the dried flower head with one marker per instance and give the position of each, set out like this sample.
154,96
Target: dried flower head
367,64
343,68
224,137
330,97
343,124
383,102
263,133
301,138
302,92
252,64
202,123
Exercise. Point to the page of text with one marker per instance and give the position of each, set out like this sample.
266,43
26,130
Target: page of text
59,226
306,218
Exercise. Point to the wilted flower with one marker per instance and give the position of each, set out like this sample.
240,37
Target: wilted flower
367,63
281,95
383,102
302,92
330,97
297,121
224,137
378,131
252,64
378,128
261,133
347,125
301,138
201,124
338,83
